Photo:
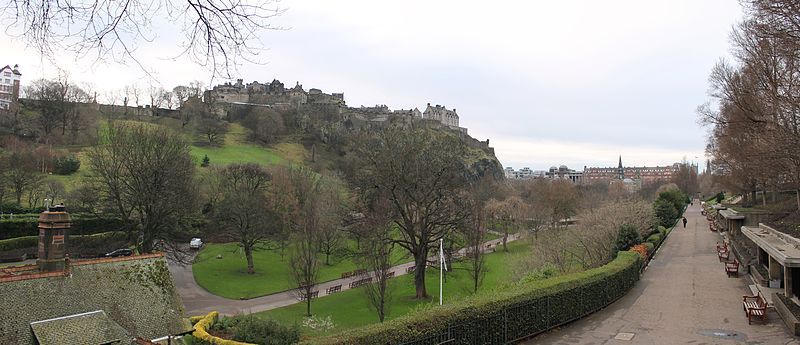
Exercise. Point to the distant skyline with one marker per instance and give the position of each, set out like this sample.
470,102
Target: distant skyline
549,83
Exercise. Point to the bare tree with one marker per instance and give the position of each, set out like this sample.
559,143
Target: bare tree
474,233
375,255
330,232
303,260
212,130
218,33
148,177
241,207
21,173
421,173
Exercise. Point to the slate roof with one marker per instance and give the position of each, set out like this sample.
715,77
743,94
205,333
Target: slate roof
79,329
137,293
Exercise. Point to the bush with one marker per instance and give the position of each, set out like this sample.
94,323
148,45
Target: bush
674,196
504,315
251,329
544,272
650,247
642,250
82,224
19,243
665,212
97,243
654,239
206,161
627,237
66,165
246,329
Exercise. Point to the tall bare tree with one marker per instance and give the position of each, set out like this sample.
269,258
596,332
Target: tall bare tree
147,175
422,173
304,261
241,207
375,256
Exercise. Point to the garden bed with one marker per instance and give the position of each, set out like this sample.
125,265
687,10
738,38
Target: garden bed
789,312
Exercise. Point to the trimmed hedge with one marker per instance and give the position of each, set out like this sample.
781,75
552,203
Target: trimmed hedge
654,239
19,243
505,315
77,243
28,225
651,247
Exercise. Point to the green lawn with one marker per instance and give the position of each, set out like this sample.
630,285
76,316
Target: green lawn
350,309
236,149
227,277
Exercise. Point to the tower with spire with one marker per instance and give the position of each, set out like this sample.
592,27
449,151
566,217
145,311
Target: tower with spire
620,169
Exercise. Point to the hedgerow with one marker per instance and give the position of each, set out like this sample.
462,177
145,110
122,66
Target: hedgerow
504,315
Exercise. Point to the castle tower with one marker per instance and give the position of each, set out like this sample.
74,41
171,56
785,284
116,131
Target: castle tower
620,169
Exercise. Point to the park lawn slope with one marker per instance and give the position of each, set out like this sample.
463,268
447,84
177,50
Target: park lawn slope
227,277
350,309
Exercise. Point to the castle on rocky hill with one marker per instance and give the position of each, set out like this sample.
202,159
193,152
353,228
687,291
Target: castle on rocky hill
275,94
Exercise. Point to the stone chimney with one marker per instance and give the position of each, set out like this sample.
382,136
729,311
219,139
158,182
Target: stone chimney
54,224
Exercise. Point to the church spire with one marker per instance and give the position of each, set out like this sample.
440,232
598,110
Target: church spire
620,169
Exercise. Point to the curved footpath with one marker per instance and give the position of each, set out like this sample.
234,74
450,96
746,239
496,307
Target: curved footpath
684,297
198,301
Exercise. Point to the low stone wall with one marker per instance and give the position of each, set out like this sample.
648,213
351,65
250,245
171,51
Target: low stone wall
788,317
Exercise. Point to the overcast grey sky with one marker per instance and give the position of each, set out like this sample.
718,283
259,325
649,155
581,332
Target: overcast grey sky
548,82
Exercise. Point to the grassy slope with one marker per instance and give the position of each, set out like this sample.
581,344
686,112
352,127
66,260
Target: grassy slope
236,149
227,277
350,309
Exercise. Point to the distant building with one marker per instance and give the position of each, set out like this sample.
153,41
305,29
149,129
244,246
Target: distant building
9,86
647,175
441,114
565,173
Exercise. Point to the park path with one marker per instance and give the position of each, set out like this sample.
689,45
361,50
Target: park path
198,301
684,297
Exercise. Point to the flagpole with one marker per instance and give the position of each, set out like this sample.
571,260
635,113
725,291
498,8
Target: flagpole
441,269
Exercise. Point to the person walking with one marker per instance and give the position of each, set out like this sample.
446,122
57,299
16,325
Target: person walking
684,222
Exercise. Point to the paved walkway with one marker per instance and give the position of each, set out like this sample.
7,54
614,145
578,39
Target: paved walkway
198,301
684,297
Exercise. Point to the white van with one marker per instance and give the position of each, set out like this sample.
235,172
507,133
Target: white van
195,243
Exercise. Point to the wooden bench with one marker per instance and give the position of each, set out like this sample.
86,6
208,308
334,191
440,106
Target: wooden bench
360,282
755,307
313,294
410,269
346,275
390,274
724,256
732,268
333,289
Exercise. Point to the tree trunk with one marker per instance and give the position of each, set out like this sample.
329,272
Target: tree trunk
419,273
308,303
505,240
798,198
382,304
327,257
248,253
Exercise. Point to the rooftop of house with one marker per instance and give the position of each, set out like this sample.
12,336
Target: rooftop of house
86,328
135,293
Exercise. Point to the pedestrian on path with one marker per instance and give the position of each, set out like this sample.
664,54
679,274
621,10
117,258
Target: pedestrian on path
684,222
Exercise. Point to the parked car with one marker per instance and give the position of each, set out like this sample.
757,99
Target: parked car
119,252
195,243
